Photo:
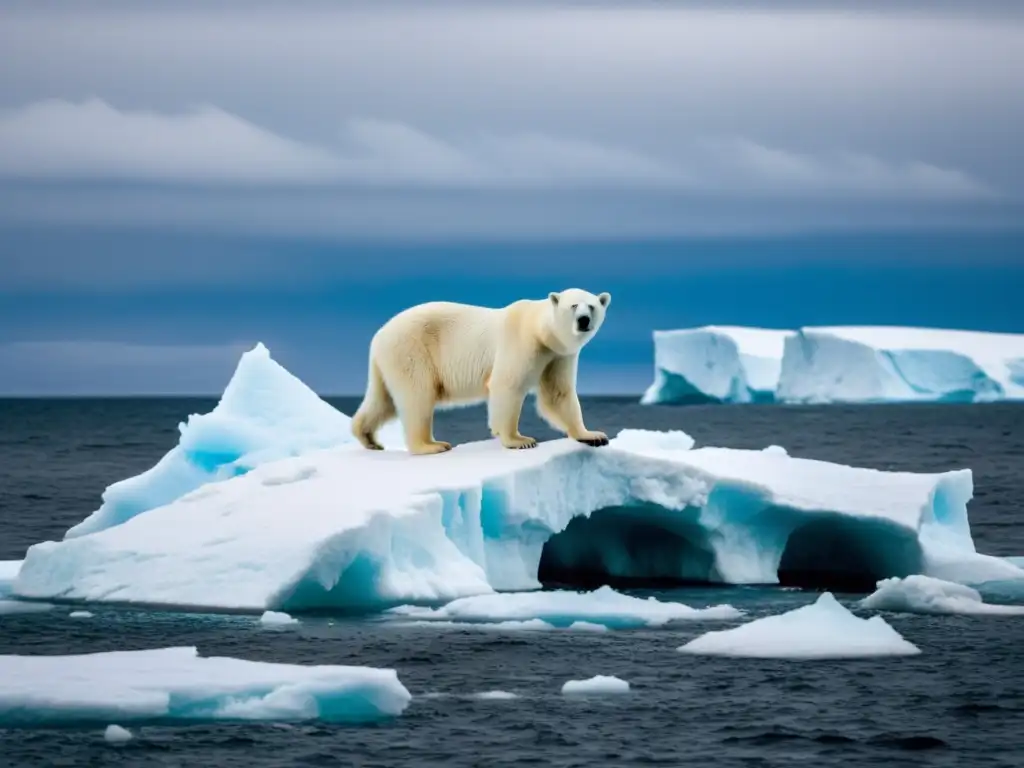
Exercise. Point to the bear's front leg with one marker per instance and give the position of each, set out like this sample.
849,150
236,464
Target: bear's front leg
504,407
560,406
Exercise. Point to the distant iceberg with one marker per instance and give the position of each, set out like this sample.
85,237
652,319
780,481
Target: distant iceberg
726,364
177,684
835,365
346,528
825,629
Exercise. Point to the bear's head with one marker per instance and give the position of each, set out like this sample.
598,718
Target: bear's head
578,314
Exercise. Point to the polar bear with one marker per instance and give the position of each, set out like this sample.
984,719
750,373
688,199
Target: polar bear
447,354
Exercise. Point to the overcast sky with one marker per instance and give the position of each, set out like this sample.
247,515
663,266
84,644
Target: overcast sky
187,157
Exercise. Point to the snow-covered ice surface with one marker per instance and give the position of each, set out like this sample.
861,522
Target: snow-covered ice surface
892,364
841,364
923,594
598,684
265,414
347,528
176,684
603,608
716,363
824,629
80,615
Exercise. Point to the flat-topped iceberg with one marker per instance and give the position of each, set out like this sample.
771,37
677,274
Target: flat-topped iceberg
883,364
726,364
176,684
825,629
265,414
603,607
347,528
841,364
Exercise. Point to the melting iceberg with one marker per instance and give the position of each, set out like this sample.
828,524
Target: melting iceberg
723,364
822,630
265,414
604,607
345,528
842,364
174,684
923,594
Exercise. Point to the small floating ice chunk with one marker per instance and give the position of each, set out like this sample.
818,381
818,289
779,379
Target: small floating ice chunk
115,734
176,684
276,619
588,626
603,606
500,626
495,696
80,615
596,684
923,594
822,630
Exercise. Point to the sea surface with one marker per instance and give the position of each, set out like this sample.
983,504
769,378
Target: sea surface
960,703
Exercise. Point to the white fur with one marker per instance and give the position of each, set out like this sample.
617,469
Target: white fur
442,353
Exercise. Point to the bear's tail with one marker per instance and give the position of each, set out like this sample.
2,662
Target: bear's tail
377,408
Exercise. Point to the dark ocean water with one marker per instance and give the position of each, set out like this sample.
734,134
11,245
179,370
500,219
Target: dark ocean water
960,703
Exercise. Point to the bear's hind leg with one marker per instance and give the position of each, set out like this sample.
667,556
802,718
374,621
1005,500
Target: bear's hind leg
376,410
417,416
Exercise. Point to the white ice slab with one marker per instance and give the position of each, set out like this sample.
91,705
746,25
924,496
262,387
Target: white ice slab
923,594
176,684
603,607
822,630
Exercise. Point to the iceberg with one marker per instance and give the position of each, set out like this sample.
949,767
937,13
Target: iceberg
724,364
890,364
604,608
176,684
344,528
265,414
835,364
923,594
822,630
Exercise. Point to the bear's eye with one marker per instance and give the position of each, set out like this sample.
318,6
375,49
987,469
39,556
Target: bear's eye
575,305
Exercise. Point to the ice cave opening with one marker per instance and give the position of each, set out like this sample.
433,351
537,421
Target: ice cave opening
846,555
627,546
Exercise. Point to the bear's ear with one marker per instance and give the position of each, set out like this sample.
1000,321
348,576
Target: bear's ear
554,298
605,299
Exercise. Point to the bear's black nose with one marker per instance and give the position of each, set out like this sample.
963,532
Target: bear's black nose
583,323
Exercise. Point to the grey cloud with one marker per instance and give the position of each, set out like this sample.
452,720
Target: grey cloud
905,101
60,139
